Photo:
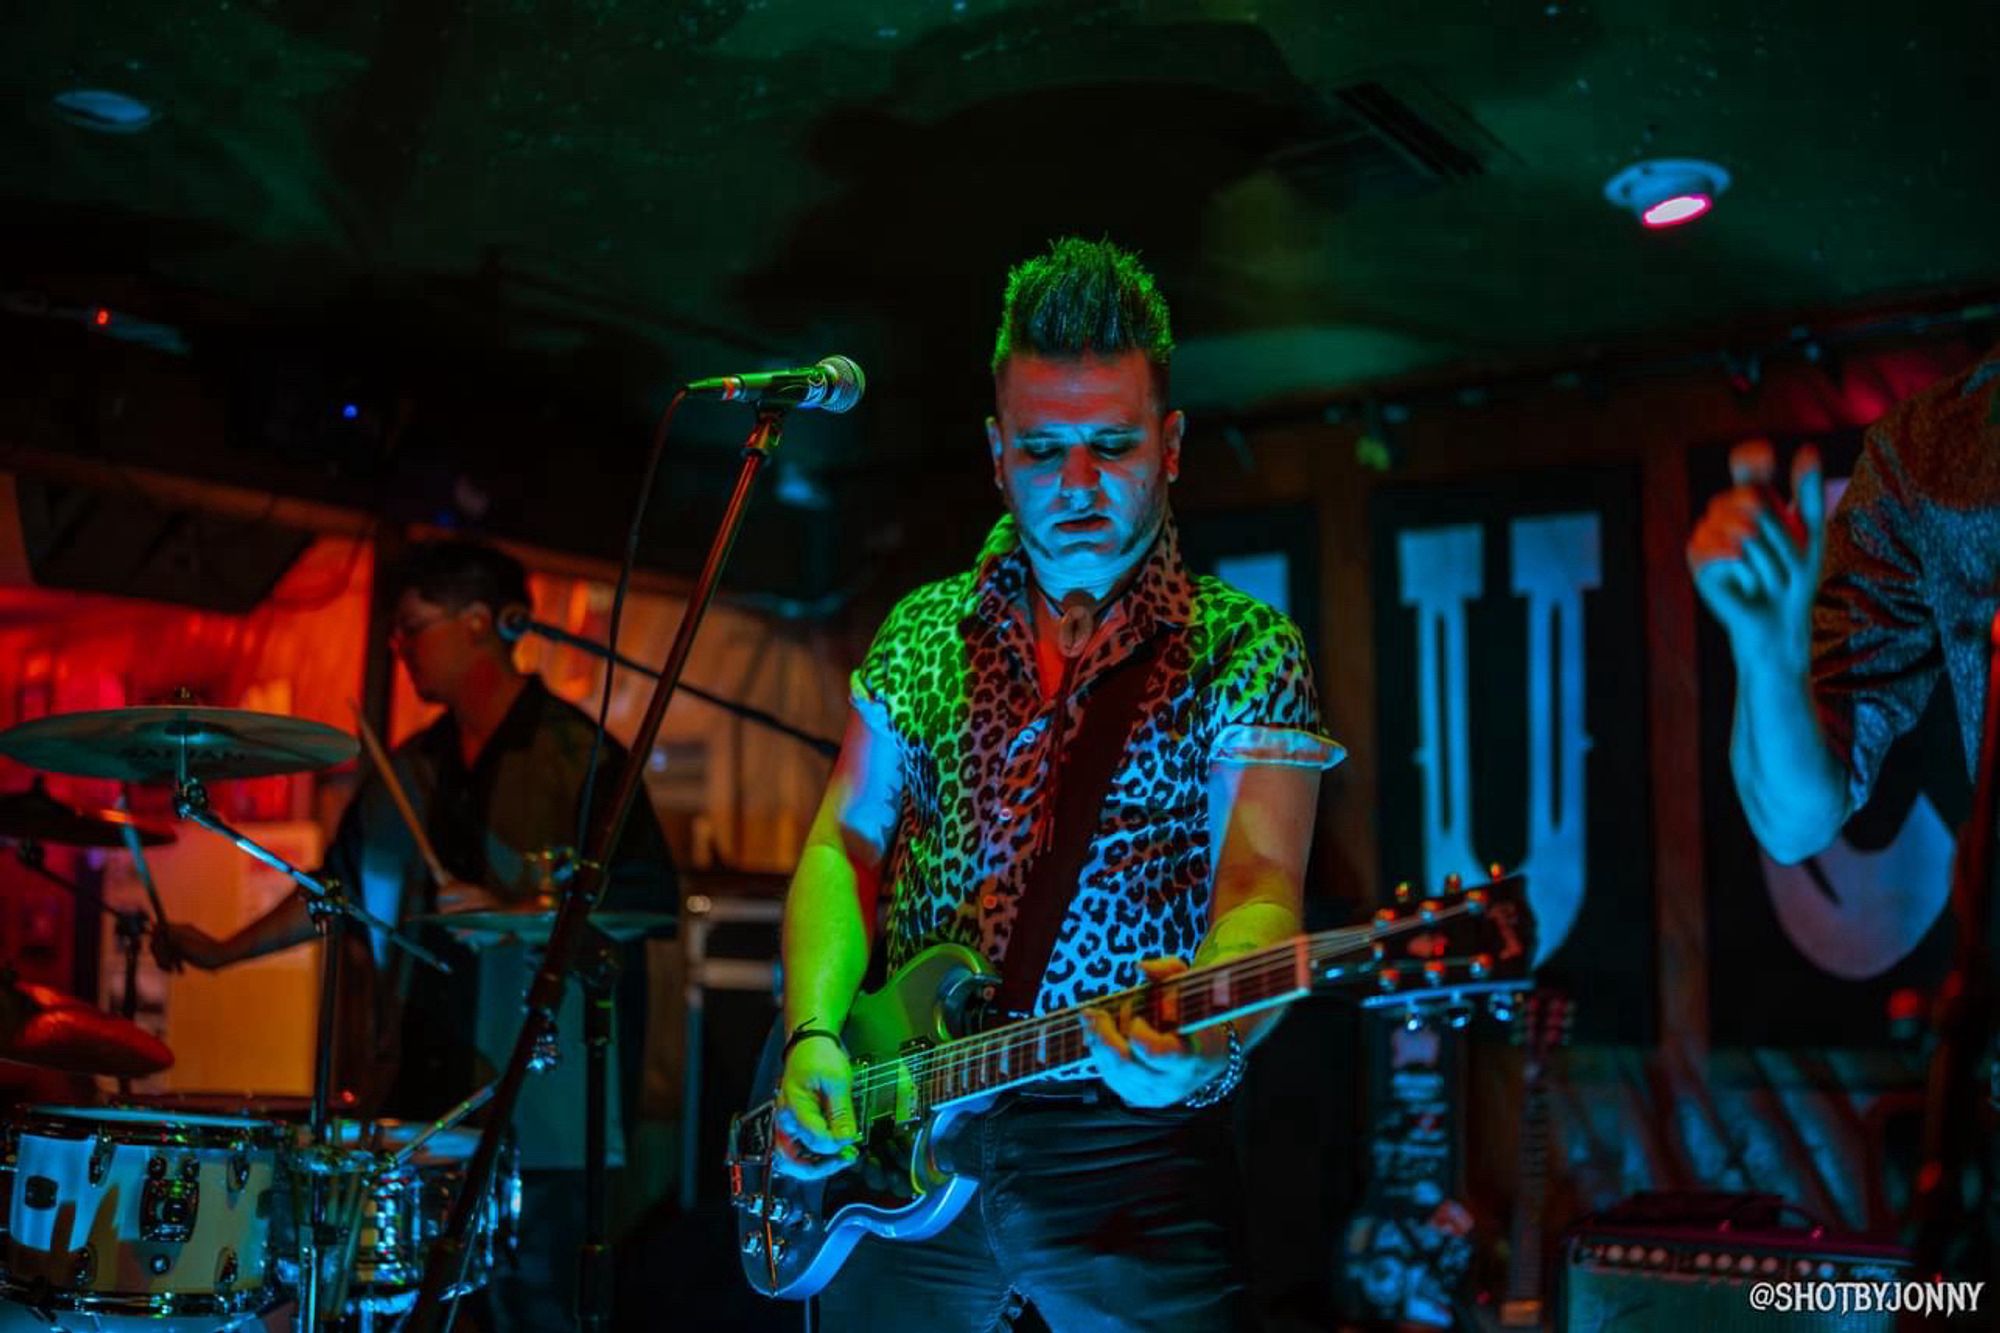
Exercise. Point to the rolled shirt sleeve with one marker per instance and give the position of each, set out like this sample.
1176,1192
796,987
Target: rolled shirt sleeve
1266,709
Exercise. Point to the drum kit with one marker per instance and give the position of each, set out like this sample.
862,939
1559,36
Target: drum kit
205,1214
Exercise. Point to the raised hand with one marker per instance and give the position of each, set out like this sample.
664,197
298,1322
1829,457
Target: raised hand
1756,557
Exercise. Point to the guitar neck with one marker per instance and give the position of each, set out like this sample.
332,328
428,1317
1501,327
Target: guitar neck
1524,1266
1051,1045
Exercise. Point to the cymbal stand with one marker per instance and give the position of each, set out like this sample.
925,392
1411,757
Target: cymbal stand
130,925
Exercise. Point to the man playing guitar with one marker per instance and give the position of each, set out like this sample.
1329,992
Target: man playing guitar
1106,1201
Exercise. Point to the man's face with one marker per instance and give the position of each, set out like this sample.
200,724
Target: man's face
436,644
1084,455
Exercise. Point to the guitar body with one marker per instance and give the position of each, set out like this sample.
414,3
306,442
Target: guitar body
793,1235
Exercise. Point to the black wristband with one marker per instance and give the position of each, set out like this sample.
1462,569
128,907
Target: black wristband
801,1033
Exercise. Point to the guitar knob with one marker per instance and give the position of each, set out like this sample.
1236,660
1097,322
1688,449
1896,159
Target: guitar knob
1453,883
1500,1005
1481,966
753,1245
1458,1015
1413,1019
1496,872
1403,892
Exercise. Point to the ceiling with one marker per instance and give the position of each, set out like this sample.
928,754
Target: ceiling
530,218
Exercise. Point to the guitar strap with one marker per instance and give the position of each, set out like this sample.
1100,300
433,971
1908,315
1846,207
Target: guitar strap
1086,763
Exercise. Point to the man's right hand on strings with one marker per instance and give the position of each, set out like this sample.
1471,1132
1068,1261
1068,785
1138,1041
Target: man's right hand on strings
816,1136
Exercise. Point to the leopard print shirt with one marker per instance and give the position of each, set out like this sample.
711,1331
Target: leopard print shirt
951,676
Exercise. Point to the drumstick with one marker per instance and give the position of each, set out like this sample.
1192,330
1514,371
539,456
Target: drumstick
130,832
380,757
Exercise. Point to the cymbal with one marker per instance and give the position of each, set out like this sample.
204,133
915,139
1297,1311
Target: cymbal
147,744
35,816
486,928
43,1027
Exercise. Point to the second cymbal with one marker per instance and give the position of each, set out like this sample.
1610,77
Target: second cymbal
35,816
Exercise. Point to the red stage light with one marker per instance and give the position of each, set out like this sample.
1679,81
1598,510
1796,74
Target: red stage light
102,317
1673,212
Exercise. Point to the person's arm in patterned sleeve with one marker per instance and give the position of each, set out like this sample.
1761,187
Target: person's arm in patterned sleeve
1263,795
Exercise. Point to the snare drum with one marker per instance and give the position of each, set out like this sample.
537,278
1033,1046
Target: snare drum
404,1210
129,1212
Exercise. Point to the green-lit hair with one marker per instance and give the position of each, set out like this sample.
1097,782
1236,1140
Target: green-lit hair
1085,297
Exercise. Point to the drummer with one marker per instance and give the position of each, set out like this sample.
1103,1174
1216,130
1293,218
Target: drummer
495,781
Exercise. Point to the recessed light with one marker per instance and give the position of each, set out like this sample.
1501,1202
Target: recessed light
105,111
1667,191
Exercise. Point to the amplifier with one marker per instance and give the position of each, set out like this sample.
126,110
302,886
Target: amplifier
1671,1262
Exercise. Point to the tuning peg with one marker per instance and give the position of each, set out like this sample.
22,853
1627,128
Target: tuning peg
1403,892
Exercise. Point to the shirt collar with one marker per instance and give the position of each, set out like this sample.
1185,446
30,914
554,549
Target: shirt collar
515,732
1161,593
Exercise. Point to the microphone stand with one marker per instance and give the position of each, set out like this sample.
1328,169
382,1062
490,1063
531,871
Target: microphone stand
449,1252
1963,1019
555,634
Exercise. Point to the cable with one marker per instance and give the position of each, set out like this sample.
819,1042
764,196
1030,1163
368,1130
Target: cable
617,614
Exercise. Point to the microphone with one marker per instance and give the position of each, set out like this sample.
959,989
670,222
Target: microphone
834,385
513,623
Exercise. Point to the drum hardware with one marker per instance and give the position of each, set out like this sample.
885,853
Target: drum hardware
164,1218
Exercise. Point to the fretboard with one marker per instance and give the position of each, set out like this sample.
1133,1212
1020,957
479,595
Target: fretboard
1051,1046
1524,1267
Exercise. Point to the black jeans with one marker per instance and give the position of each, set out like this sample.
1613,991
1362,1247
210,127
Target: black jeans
1110,1219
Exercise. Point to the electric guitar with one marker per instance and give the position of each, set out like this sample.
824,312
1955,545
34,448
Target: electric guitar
926,1051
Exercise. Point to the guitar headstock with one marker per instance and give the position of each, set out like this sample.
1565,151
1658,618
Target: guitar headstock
1441,953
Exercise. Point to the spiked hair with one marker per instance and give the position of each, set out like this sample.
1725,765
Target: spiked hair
1084,297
